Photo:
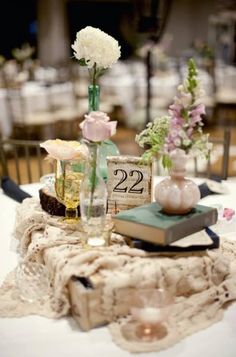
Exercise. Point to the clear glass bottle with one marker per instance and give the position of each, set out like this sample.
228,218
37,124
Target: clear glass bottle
93,199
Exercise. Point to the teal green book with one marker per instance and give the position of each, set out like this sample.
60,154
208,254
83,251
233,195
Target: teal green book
151,224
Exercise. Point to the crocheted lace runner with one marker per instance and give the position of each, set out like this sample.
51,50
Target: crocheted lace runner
202,283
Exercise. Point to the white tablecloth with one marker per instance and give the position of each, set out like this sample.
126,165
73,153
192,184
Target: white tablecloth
36,336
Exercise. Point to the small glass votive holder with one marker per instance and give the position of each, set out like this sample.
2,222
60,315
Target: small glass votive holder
99,236
32,280
150,309
48,181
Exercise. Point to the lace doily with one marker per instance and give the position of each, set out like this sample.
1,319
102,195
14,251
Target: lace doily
202,283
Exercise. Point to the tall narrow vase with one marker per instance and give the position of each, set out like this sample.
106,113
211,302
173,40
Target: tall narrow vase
107,148
93,199
94,97
176,194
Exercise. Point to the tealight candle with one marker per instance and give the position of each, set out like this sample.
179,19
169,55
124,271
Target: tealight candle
150,309
96,237
149,315
96,242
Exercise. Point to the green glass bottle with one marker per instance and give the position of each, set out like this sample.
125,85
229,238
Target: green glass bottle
94,97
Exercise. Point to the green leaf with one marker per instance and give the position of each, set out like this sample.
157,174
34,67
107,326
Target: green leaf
166,162
100,72
184,114
82,62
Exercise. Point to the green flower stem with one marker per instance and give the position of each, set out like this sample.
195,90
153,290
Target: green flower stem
94,74
192,78
93,94
63,166
94,87
93,176
94,98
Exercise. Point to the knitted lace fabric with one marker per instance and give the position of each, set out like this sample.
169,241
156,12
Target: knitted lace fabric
202,283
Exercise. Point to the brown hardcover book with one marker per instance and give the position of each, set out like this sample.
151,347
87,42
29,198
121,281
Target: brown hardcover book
151,224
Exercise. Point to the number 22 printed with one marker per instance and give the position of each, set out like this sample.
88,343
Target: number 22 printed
121,185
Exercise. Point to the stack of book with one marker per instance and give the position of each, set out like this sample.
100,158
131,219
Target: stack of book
148,226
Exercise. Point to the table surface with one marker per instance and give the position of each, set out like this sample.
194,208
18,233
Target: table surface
35,336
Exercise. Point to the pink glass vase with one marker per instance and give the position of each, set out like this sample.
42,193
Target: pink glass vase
176,194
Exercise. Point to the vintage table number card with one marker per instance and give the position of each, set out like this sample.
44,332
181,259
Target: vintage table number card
129,183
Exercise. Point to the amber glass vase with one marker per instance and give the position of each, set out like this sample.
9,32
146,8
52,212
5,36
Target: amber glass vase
68,177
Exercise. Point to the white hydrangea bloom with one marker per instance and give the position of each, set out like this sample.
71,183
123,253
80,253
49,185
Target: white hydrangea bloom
95,46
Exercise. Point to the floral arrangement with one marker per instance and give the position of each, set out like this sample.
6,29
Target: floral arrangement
96,50
153,137
96,128
182,129
64,150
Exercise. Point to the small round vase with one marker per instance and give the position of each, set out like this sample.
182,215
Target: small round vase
176,194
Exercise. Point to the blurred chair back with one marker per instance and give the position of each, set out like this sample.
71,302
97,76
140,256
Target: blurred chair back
221,169
35,111
22,160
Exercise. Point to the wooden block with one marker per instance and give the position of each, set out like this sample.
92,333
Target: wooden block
86,304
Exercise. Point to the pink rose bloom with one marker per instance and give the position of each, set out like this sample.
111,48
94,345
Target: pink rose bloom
97,127
65,150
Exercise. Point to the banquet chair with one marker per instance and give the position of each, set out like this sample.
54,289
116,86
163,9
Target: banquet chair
220,168
23,160
37,112
30,114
